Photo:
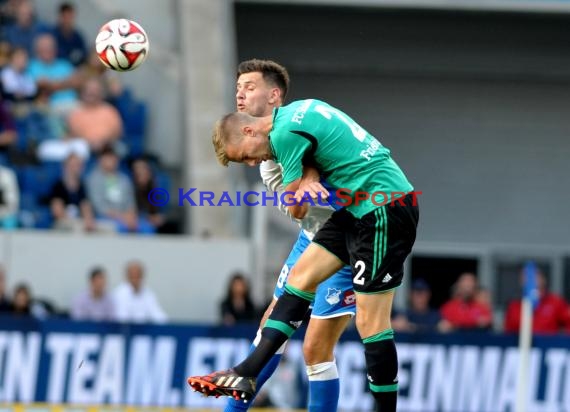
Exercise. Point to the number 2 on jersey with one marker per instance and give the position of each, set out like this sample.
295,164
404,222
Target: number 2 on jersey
328,112
358,278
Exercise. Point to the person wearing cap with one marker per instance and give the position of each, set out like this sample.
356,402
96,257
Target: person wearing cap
419,317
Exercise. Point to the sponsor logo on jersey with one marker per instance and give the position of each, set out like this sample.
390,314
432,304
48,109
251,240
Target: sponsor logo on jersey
300,112
349,298
387,278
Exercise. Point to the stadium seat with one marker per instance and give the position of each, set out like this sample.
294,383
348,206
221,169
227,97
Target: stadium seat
43,217
163,180
135,143
39,180
133,113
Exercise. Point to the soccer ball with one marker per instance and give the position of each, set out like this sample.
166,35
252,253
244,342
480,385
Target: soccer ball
122,45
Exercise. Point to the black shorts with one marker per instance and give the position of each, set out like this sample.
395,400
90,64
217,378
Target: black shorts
375,245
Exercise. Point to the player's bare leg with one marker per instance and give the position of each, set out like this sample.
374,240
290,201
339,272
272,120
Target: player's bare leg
318,349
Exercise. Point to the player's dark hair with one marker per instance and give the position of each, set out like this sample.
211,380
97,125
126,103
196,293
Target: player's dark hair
272,73
96,271
65,7
237,277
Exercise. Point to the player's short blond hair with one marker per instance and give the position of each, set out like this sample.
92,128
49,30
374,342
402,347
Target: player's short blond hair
227,130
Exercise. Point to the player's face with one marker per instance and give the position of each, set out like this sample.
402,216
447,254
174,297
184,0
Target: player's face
251,150
254,96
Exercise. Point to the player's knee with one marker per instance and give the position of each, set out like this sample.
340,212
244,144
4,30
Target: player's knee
316,352
301,280
368,325
323,371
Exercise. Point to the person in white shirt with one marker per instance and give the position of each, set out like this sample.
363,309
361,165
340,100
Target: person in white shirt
9,199
134,302
17,84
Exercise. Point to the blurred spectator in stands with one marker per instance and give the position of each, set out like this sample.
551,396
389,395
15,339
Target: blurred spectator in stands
70,42
112,195
18,86
237,306
21,305
419,317
25,305
464,311
483,296
95,120
143,179
113,89
57,150
70,206
134,302
5,50
25,29
94,304
551,315
8,133
9,199
5,302
8,10
54,77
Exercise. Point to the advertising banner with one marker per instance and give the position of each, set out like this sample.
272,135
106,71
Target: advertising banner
65,362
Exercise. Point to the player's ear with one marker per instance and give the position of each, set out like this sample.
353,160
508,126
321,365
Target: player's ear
248,131
274,96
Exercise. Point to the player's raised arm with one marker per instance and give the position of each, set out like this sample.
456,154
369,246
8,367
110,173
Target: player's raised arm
297,209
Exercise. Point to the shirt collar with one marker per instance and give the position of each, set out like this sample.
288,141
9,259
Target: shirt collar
275,111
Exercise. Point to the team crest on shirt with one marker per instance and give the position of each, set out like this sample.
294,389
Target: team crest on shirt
333,296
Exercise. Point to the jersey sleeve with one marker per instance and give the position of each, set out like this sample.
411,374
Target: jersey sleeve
271,175
290,149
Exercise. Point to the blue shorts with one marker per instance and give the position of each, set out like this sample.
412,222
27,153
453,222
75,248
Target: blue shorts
334,297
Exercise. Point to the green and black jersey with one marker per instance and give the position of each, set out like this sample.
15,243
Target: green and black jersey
347,156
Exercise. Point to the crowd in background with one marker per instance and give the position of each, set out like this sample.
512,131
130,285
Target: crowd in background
131,301
72,159
71,135
469,308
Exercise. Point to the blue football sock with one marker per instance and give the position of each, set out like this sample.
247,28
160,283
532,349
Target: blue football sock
323,395
324,387
264,375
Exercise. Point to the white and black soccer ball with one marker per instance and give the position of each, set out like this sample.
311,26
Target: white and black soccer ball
122,45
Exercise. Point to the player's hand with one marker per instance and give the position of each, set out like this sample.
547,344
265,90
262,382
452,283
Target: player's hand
314,189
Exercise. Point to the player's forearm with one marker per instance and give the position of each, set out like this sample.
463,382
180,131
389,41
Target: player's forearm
296,207
310,174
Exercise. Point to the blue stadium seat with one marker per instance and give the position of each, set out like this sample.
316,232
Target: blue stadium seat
90,165
135,119
28,201
39,180
163,180
135,143
43,217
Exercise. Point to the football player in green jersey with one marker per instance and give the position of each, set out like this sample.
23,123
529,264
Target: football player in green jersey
371,235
